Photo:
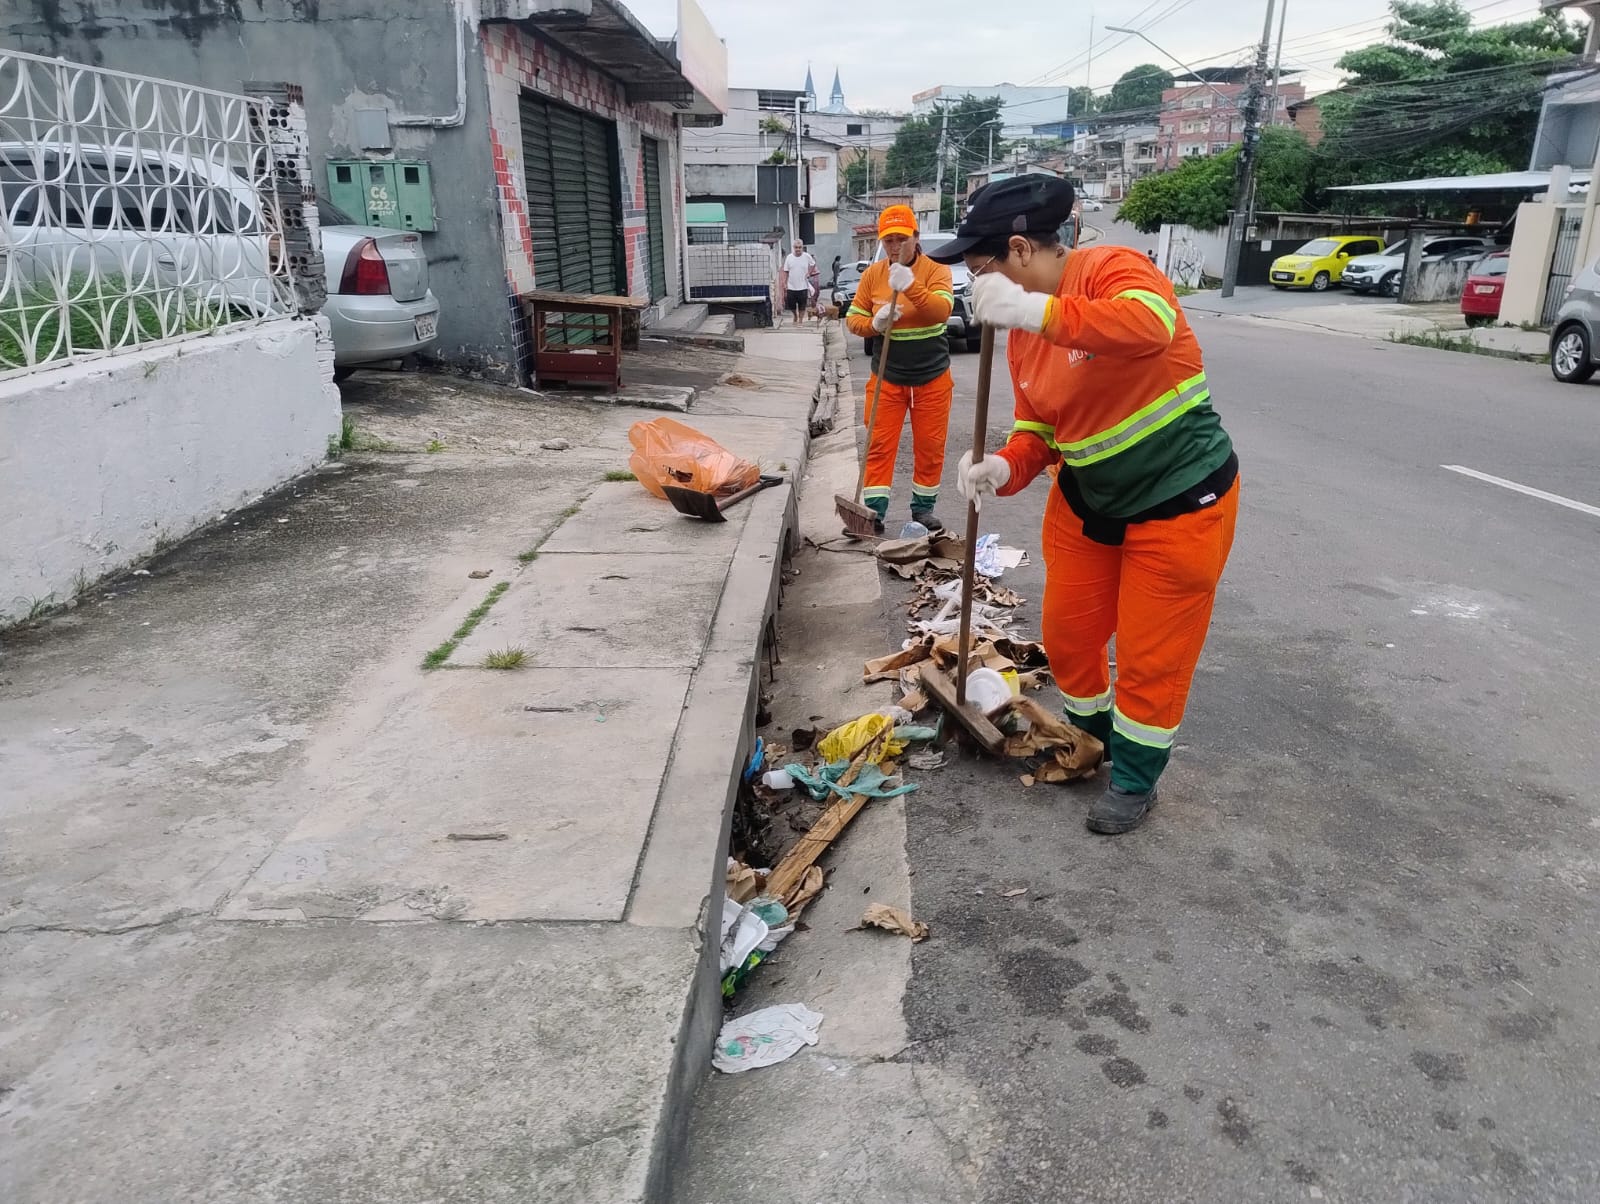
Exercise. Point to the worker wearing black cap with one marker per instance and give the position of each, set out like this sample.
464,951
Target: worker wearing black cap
1111,392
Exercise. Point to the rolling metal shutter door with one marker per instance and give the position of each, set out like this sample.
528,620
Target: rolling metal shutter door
571,180
653,223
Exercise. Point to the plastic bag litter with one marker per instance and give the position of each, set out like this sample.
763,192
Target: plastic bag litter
846,740
667,452
765,1038
871,781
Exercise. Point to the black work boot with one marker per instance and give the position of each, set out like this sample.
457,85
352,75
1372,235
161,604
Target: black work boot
1118,810
928,519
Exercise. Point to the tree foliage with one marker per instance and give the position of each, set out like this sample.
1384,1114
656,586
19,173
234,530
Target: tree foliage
1138,88
1200,191
1440,97
1436,97
913,158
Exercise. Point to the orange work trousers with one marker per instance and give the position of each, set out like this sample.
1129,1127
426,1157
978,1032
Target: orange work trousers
1154,593
929,407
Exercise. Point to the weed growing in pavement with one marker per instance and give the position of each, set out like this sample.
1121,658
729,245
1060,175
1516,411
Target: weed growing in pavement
1183,290
347,432
1443,340
434,447
505,658
439,655
39,607
620,474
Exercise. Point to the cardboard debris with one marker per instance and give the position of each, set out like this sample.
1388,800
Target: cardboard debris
910,557
744,883
807,889
894,919
926,760
1071,751
914,701
887,668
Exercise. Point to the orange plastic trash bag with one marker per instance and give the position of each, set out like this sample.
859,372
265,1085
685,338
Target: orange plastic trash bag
666,452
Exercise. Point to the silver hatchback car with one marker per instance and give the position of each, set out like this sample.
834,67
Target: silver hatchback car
1573,335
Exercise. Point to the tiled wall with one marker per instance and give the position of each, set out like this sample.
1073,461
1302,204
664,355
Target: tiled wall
515,60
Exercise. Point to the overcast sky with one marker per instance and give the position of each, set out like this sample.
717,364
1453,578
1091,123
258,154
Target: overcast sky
884,55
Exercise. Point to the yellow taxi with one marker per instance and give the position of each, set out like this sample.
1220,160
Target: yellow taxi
1320,262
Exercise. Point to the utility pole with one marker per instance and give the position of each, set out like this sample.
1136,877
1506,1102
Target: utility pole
1277,63
799,175
1244,194
938,179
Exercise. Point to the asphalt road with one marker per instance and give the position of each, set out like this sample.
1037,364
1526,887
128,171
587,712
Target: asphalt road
1353,954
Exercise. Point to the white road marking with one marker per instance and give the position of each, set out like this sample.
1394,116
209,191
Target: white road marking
1580,507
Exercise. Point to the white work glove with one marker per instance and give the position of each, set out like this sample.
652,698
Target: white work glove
883,319
989,475
1004,304
900,277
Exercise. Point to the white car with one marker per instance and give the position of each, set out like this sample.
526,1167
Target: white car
1091,205
1381,273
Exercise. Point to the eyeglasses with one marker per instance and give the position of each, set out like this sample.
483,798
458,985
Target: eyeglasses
978,271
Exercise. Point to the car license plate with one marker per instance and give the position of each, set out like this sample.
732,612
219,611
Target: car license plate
1283,275
427,326
1482,289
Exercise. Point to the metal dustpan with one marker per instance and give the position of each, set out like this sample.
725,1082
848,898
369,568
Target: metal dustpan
708,506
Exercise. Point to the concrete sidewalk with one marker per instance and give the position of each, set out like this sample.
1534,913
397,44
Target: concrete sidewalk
1369,318
290,917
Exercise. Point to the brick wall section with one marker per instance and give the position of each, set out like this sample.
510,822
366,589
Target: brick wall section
516,60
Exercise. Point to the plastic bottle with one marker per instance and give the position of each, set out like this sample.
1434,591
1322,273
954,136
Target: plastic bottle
777,779
913,530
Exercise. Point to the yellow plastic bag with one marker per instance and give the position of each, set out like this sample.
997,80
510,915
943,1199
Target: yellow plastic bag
666,452
848,739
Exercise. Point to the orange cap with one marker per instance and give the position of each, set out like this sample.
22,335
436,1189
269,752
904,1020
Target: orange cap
897,219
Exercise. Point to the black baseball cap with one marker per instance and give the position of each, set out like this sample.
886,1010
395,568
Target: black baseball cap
1030,204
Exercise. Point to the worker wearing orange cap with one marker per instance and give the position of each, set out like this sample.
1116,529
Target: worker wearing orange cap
916,377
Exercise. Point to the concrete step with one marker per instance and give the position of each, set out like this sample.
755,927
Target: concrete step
717,324
682,318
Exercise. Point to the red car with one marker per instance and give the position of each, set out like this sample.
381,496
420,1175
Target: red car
1480,298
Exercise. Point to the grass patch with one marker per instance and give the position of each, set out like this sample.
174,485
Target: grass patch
1444,340
1183,290
505,658
439,655
528,555
33,315
347,432
620,474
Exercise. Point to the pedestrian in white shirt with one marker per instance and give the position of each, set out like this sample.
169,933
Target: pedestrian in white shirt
797,271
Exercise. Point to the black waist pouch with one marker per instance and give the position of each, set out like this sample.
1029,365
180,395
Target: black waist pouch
1102,528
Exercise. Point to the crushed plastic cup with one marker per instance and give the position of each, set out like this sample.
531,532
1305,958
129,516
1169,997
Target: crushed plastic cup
913,530
777,779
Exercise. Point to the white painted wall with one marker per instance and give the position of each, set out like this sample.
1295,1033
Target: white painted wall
100,460
1184,253
1528,271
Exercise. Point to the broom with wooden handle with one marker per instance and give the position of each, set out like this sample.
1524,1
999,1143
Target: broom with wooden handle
860,520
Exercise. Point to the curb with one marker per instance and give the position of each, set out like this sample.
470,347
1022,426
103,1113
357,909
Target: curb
718,342
694,812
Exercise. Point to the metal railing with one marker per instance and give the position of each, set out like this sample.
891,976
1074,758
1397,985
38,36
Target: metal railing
132,211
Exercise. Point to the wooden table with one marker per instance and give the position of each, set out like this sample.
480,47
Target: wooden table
578,339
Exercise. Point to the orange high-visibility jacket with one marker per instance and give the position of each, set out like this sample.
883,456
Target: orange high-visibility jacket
918,347
1113,388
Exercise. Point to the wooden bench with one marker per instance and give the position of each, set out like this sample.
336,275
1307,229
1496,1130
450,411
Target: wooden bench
578,340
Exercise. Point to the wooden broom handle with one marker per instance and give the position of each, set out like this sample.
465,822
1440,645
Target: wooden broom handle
877,392
980,426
